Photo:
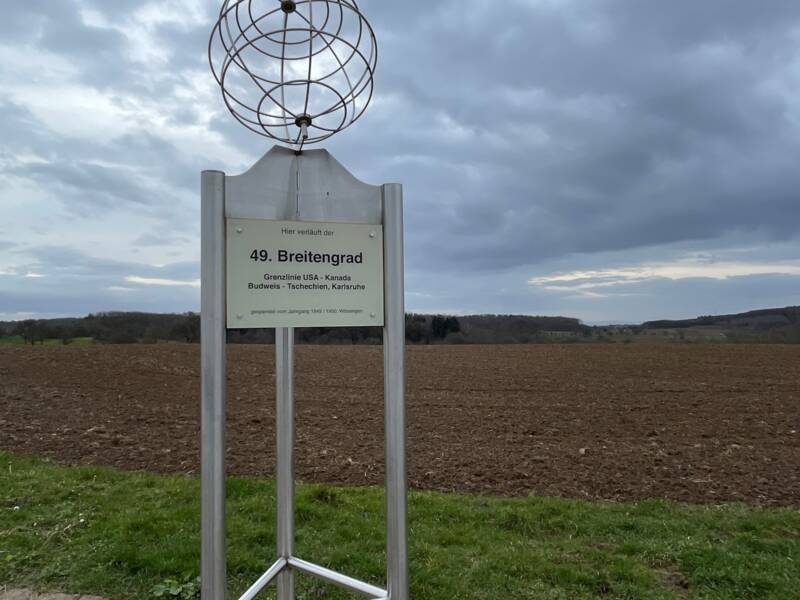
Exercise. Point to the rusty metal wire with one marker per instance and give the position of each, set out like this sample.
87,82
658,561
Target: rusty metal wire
297,71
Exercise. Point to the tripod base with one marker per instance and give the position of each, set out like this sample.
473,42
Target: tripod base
301,566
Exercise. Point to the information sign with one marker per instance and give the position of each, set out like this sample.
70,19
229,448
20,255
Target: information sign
303,274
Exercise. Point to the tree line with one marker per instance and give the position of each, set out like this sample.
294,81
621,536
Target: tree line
111,327
137,327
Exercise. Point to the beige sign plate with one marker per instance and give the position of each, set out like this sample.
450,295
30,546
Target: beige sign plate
303,274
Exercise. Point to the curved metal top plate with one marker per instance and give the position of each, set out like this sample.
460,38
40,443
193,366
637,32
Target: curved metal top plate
312,186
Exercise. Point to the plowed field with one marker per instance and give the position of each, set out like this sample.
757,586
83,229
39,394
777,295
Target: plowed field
698,423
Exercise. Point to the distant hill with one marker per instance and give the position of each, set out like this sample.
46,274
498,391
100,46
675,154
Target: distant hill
137,327
767,325
515,329
110,327
754,320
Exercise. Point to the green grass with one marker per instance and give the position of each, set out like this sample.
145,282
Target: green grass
92,530
17,340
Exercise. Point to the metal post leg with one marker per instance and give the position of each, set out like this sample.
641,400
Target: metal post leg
284,373
212,323
394,392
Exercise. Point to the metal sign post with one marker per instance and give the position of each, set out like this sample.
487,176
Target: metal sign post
212,385
297,241
313,190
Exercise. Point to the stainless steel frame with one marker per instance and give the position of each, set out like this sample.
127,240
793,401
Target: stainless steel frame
212,331
284,390
297,72
394,338
311,186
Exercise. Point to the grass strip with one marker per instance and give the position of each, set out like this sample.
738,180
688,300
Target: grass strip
123,535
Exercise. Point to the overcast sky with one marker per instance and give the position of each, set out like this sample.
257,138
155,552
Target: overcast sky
612,160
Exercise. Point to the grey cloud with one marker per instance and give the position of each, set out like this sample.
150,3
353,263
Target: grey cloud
58,28
681,146
65,261
94,186
736,294
90,179
526,135
22,21
508,293
75,283
69,302
164,239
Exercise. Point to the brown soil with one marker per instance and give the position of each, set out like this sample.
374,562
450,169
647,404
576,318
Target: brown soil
702,423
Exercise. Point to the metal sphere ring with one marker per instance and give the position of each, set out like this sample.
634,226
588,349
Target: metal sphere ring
296,71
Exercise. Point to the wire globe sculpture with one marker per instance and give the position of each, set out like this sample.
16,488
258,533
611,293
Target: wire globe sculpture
296,71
